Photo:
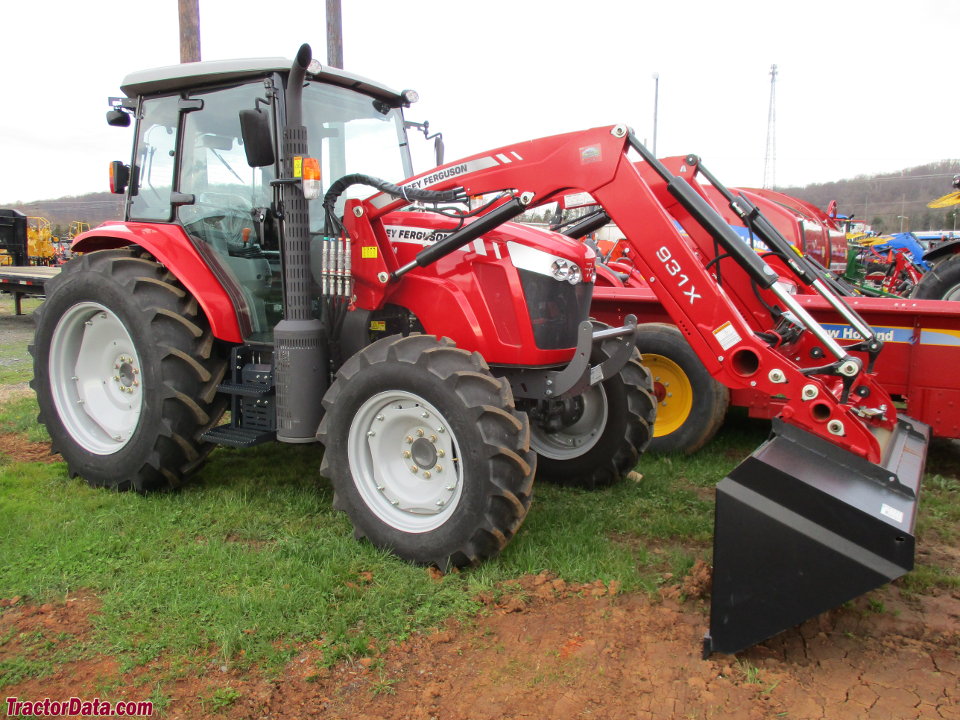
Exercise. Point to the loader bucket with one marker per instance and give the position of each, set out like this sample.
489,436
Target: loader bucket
803,526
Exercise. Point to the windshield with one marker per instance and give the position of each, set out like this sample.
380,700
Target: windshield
353,133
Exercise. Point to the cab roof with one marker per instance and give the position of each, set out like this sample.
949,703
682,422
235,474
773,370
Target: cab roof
191,75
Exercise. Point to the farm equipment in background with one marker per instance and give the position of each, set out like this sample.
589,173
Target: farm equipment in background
13,237
40,242
443,355
885,266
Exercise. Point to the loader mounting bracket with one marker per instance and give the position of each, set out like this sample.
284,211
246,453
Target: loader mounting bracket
579,374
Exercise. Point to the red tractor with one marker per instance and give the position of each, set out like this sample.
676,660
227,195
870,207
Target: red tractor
442,355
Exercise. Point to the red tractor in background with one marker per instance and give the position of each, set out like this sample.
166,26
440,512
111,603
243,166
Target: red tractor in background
443,355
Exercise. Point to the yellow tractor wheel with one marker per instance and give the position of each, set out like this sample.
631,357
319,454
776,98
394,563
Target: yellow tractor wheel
690,404
673,391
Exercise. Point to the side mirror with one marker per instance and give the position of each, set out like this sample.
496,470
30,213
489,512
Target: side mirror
438,148
257,139
119,177
118,118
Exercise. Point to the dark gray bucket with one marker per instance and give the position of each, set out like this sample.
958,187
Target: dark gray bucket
803,526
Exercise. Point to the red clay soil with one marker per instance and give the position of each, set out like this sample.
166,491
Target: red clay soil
550,650
18,449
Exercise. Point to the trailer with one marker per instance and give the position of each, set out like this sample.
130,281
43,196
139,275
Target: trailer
23,281
17,276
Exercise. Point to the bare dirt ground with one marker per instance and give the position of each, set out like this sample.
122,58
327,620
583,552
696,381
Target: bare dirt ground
552,650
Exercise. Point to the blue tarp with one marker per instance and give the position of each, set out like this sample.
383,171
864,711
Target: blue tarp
906,241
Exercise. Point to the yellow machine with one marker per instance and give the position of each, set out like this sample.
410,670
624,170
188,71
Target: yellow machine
40,247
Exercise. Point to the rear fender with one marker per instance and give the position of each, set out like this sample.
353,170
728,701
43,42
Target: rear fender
170,245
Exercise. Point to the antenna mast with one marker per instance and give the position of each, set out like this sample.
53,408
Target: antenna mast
770,164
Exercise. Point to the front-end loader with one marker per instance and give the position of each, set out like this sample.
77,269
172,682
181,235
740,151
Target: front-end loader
443,354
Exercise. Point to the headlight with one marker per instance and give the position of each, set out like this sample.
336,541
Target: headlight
565,270
560,269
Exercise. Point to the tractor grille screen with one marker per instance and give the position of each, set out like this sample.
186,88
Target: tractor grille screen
556,309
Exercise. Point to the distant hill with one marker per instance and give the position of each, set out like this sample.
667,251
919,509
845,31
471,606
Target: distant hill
881,199
92,208
876,199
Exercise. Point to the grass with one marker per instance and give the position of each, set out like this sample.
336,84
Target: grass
15,362
250,560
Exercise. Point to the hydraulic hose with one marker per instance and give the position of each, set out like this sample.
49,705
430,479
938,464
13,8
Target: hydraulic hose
411,194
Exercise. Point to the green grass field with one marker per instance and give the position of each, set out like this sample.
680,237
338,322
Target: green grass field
249,559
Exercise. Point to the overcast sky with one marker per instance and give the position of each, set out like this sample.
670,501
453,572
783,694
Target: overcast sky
863,86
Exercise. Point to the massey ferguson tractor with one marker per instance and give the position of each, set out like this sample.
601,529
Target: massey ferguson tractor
440,353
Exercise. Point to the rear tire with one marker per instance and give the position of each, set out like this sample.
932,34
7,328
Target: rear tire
126,372
940,283
427,455
615,427
691,404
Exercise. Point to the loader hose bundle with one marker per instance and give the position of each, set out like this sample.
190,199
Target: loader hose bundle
407,193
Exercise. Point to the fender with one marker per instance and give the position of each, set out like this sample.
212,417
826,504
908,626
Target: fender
170,245
942,251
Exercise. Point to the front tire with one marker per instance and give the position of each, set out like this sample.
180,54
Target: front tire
427,455
940,283
612,427
126,372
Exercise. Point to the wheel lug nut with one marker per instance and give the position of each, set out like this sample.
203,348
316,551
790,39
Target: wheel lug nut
426,474
370,433
380,418
425,415
419,432
408,439
433,439
414,468
440,452
406,453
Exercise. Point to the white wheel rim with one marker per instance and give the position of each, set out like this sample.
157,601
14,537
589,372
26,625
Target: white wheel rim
953,293
576,439
95,378
405,461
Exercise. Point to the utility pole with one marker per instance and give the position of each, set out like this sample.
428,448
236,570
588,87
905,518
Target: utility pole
656,102
189,30
334,34
770,163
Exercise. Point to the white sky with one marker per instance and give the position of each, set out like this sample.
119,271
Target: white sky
863,86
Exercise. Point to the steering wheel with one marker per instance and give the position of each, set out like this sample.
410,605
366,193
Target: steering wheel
227,213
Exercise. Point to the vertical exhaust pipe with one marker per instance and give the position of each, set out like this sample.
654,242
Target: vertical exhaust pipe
300,355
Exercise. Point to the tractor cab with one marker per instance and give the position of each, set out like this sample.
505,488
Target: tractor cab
192,164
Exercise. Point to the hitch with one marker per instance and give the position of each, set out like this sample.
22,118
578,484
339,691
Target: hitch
578,375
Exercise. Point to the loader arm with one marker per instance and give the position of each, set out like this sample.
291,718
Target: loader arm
729,324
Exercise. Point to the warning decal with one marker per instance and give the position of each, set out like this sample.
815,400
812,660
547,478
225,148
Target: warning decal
727,335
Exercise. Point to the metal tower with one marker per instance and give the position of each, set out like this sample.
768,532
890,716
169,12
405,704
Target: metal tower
770,164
